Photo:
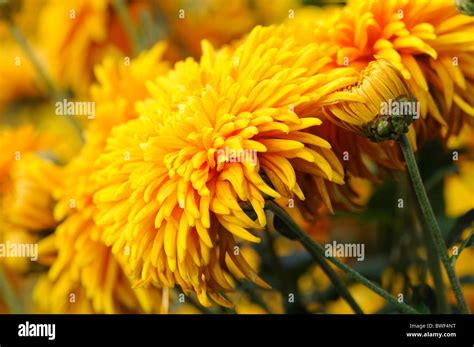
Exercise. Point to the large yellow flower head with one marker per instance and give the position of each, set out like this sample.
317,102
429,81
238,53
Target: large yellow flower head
228,139
429,42
82,264
426,42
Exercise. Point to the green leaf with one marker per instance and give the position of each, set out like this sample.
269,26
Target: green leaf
462,223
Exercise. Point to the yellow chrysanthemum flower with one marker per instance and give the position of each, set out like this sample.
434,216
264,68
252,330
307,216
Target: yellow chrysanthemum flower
363,113
91,271
120,83
27,182
85,277
429,42
29,202
176,201
15,142
359,156
79,31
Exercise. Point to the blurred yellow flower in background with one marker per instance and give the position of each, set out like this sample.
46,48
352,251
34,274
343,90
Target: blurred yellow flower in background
459,190
76,35
465,271
29,203
218,21
368,301
18,77
459,186
26,188
27,181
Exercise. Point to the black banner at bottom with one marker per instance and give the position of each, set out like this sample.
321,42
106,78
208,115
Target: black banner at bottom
318,330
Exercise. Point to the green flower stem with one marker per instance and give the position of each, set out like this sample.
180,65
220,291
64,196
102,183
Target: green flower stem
23,42
287,283
317,251
122,11
430,220
332,275
7,293
277,266
435,269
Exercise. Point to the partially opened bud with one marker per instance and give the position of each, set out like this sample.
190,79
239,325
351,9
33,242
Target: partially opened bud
379,106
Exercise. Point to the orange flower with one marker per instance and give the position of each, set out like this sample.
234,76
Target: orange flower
213,143
81,264
429,42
